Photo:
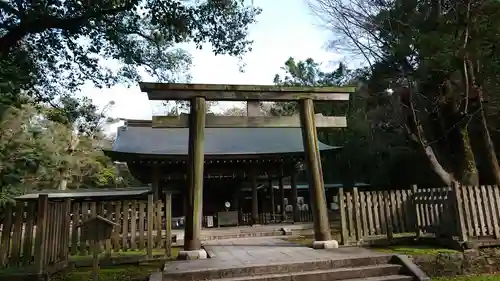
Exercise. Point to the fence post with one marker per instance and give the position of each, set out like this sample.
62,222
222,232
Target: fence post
357,214
41,225
168,223
388,215
458,204
418,232
66,230
150,226
5,243
343,219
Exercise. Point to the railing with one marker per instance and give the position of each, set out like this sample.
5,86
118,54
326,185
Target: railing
133,230
463,212
35,234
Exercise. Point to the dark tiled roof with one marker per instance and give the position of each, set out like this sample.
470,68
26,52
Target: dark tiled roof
82,193
218,141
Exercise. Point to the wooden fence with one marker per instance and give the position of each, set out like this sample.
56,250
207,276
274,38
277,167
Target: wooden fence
140,225
35,234
463,212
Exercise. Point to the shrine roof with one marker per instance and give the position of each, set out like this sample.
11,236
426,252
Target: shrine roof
146,140
90,193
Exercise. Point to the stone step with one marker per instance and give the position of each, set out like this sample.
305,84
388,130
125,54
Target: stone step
278,268
348,273
156,276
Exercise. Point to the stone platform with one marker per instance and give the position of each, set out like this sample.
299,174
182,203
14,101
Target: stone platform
270,258
208,234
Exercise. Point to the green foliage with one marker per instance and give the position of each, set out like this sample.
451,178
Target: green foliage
415,250
37,152
51,48
439,57
117,273
373,150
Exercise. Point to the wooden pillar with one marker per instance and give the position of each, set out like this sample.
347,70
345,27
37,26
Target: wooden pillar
316,185
184,198
150,222
155,181
41,233
253,108
236,202
255,200
271,195
168,223
293,183
282,200
195,174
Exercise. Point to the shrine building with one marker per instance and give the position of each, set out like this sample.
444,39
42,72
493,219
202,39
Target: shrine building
205,159
236,161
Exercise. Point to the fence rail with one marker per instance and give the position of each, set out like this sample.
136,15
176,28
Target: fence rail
466,212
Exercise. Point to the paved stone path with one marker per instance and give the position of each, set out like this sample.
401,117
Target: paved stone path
244,252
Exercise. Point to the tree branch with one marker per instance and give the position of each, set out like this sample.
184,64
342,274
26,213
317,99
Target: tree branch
46,22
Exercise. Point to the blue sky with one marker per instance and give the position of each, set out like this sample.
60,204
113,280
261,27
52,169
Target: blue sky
286,28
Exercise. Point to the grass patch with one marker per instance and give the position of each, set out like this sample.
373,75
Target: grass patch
468,278
301,240
415,250
115,273
17,270
125,254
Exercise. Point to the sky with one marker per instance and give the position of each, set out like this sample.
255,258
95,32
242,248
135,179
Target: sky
285,28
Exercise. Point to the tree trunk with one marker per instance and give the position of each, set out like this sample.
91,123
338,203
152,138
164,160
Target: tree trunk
489,146
440,171
66,171
416,132
467,172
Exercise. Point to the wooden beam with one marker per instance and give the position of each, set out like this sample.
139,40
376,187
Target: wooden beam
166,91
213,121
146,86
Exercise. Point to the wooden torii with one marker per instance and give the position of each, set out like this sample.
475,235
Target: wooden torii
198,120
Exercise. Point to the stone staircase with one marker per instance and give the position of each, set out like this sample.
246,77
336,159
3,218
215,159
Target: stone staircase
377,268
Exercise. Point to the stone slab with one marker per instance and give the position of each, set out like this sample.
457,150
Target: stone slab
245,252
331,244
192,255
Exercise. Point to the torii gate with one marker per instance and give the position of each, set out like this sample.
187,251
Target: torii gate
197,120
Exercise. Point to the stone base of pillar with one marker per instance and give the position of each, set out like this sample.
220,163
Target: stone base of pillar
192,255
331,244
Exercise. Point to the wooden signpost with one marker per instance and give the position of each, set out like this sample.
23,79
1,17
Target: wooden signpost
96,230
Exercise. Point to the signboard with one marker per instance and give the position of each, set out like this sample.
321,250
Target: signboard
227,218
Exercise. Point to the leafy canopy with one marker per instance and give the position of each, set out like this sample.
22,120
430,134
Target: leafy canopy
52,47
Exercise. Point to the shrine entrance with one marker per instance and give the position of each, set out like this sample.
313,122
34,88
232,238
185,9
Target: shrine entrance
190,153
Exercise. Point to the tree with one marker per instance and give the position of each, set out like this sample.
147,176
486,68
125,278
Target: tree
29,147
83,119
51,48
432,53
49,147
371,151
